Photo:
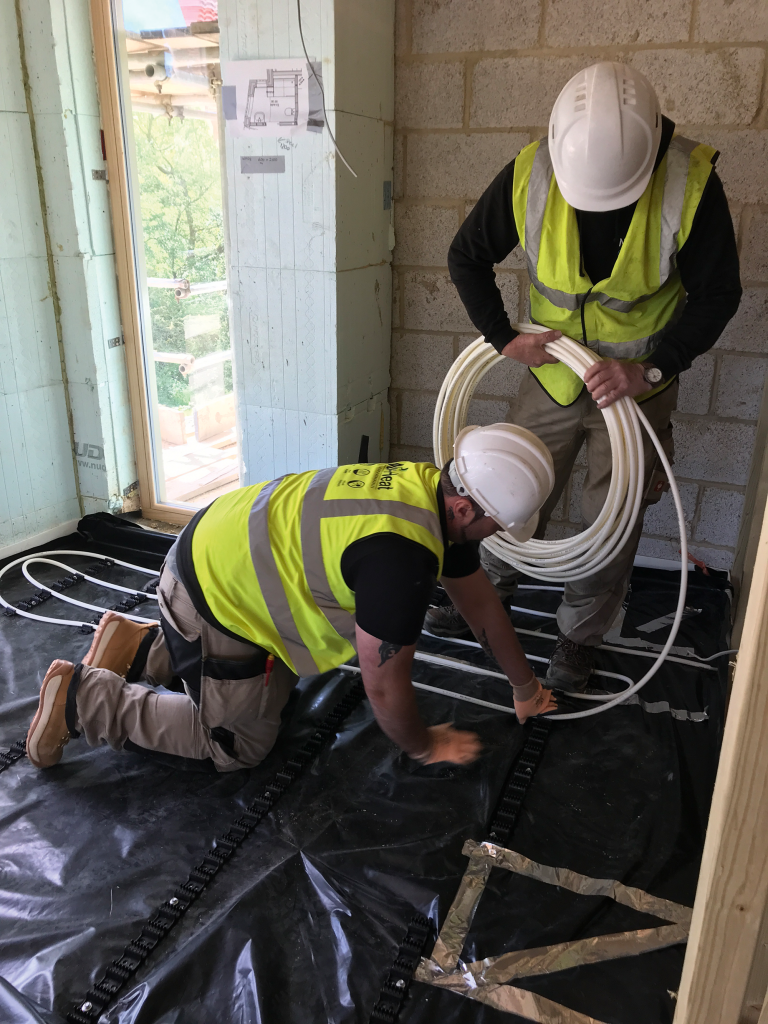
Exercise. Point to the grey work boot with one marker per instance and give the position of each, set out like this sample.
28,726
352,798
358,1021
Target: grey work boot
570,665
445,620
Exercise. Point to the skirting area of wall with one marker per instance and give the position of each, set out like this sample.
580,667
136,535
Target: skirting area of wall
37,540
475,82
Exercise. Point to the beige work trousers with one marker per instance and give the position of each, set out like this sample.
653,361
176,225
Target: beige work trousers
590,605
109,710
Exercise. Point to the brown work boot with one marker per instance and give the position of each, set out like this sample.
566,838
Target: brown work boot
445,620
117,641
570,666
49,734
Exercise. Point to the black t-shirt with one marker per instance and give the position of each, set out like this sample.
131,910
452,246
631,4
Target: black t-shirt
393,579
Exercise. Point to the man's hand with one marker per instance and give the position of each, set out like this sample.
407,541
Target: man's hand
386,669
610,380
529,348
449,744
541,702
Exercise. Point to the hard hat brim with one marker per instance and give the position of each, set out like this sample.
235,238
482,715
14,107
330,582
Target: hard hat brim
580,199
522,534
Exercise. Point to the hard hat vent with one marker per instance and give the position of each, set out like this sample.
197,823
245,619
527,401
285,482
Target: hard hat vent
605,131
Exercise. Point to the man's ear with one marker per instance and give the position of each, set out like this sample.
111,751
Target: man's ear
462,507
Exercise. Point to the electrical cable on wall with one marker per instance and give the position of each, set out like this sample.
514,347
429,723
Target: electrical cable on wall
572,558
322,93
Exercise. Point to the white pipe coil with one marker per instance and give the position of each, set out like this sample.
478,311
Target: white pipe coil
572,558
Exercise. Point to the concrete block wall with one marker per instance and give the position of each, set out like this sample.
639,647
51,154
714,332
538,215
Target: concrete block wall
475,82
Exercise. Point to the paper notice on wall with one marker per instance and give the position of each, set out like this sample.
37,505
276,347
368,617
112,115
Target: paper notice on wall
265,98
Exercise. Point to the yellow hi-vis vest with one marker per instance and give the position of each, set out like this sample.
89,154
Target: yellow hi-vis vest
268,557
626,314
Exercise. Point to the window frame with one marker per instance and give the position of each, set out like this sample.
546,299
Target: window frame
108,83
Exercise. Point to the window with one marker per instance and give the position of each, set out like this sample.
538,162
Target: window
167,75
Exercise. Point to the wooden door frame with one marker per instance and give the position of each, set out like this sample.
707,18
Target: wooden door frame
732,893
109,99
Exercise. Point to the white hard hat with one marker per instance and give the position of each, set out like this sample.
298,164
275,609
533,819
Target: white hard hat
508,471
604,135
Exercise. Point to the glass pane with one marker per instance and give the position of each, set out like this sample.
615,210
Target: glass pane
168,54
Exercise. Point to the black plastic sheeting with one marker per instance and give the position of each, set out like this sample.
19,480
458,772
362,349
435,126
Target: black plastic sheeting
303,922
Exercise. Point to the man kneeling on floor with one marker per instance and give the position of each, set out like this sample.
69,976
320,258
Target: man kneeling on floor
293,577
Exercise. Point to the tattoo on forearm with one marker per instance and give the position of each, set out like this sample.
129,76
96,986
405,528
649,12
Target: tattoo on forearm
387,651
485,643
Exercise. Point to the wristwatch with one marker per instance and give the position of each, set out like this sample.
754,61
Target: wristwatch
652,374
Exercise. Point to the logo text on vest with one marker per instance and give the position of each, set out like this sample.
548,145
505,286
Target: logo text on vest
385,480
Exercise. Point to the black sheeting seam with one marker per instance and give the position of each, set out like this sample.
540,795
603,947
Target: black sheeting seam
394,991
161,921
15,753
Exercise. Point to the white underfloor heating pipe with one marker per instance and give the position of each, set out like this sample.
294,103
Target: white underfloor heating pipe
27,560
572,558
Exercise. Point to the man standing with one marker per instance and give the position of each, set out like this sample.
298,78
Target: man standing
292,577
630,249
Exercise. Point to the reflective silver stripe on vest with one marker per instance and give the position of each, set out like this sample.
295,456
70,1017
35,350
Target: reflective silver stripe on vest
312,554
271,583
535,205
563,300
637,349
316,508
678,158
335,508
641,347
536,200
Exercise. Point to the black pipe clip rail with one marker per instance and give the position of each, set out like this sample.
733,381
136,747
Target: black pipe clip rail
15,753
394,991
508,809
504,818
67,581
103,563
41,596
121,970
130,602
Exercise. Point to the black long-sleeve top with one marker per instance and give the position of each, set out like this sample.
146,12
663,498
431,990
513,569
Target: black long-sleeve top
708,264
